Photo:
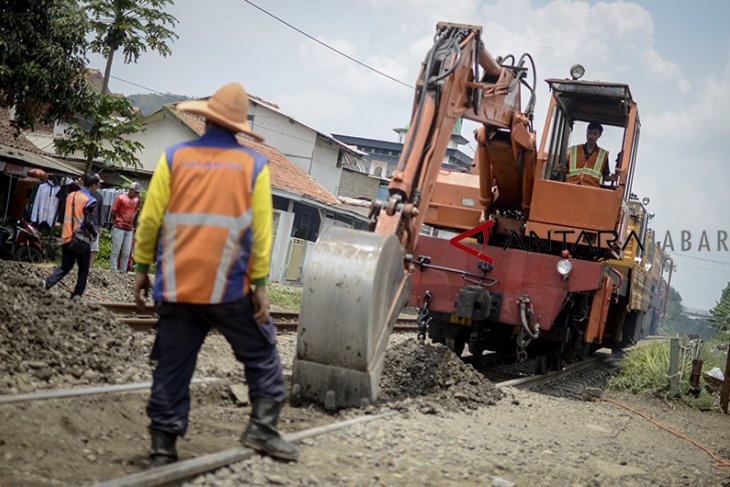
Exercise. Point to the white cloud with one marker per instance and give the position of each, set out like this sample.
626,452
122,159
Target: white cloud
665,69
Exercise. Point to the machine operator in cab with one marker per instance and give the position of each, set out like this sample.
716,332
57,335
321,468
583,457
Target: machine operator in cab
587,163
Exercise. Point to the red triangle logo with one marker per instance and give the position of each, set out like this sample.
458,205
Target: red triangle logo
479,254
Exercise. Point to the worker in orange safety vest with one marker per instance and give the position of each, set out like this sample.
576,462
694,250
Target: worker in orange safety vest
208,220
78,215
587,163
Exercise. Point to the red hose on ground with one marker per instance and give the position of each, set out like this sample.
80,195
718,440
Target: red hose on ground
722,464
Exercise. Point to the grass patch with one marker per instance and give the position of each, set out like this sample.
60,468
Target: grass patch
285,297
645,369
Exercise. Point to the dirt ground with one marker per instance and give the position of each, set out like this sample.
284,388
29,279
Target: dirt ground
525,438
452,428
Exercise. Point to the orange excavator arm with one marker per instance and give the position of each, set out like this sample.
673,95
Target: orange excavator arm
459,78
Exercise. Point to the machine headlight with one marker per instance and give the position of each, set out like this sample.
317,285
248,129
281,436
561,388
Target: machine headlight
564,267
577,71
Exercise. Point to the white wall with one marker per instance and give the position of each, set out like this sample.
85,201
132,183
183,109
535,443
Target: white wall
325,170
299,144
281,246
159,135
293,139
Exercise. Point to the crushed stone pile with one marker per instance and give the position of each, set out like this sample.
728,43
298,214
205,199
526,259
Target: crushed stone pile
433,379
48,340
102,285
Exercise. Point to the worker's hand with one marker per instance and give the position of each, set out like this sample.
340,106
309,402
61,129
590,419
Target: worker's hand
261,305
141,283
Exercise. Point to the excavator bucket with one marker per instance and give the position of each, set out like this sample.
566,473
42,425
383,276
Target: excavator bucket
354,289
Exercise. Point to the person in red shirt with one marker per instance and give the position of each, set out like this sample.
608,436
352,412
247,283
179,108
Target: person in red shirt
124,209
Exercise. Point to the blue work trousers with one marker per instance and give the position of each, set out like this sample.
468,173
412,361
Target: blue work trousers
181,330
68,259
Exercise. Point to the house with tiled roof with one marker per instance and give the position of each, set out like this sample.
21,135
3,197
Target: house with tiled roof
317,154
303,208
43,137
18,156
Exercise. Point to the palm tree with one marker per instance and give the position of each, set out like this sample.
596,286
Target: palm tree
130,25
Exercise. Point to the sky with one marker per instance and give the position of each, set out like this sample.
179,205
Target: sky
674,55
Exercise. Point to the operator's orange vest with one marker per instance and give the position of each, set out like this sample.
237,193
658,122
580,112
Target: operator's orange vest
74,215
586,172
204,247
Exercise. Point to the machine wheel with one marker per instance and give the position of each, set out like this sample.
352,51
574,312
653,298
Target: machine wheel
456,345
476,350
28,254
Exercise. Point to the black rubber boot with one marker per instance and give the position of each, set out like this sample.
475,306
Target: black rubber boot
261,433
163,450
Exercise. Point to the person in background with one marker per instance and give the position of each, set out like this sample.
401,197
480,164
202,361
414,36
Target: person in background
96,219
124,209
79,209
208,217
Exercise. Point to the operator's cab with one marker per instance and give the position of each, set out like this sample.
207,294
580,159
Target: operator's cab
589,216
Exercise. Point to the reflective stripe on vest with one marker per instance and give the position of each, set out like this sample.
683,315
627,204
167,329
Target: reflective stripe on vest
205,243
72,221
594,171
235,225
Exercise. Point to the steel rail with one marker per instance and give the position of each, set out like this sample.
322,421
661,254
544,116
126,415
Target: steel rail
536,380
185,469
86,391
144,324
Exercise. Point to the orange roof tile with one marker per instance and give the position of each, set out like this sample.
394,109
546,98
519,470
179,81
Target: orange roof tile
285,175
8,138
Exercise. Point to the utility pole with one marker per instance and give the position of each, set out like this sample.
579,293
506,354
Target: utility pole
725,391
674,366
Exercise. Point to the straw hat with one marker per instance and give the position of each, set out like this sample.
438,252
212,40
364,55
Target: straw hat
227,107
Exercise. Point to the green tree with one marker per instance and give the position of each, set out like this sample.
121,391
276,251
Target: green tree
720,319
43,60
130,25
101,135
674,320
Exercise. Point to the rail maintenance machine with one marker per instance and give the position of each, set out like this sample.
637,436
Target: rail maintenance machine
551,301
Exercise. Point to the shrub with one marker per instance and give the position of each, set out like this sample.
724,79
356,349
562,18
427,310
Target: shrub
286,297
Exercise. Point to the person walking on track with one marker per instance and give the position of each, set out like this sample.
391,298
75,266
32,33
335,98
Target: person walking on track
78,216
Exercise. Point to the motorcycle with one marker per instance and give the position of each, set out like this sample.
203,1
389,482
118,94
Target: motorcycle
22,242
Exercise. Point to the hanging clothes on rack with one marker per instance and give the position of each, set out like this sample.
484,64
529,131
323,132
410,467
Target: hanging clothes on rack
110,194
69,186
45,204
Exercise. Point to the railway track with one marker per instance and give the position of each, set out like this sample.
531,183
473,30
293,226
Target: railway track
571,381
146,319
188,469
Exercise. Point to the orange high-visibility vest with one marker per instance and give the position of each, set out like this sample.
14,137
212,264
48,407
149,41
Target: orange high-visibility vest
204,247
74,215
584,171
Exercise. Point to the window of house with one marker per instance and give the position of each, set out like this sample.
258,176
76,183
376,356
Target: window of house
281,203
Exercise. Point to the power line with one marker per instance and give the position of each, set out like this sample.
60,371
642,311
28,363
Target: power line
700,258
146,88
680,267
327,45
